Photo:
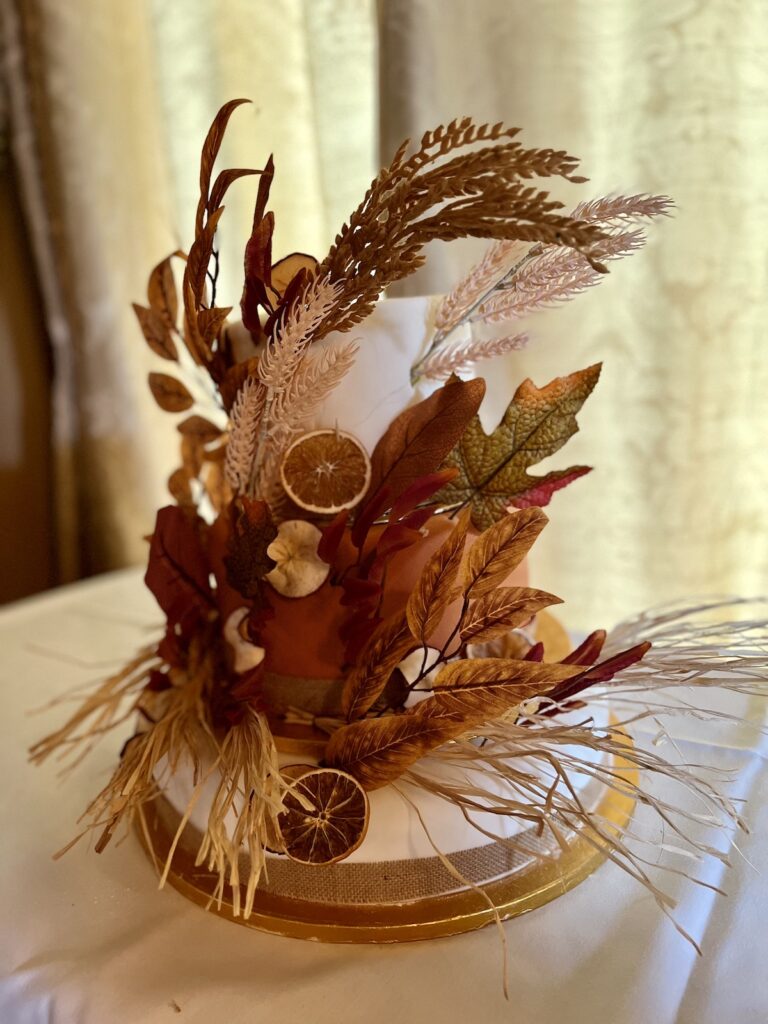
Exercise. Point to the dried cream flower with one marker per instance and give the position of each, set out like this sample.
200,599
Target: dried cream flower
411,667
299,570
247,655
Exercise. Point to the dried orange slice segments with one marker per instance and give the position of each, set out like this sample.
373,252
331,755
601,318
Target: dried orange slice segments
324,817
326,471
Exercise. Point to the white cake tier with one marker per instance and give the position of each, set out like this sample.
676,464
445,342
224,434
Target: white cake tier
395,830
378,387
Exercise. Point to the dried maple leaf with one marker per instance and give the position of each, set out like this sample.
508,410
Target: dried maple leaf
499,550
493,468
247,561
418,440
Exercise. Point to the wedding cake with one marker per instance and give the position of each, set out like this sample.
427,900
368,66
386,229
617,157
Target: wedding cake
356,726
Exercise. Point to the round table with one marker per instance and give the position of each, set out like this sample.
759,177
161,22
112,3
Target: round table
88,938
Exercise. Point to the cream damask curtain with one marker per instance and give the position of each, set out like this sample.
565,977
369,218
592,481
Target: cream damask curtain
110,102
109,105
653,95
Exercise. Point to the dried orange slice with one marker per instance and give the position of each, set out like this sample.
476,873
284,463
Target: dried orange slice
324,817
326,471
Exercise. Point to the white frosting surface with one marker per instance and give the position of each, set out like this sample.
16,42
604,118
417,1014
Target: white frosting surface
378,387
395,831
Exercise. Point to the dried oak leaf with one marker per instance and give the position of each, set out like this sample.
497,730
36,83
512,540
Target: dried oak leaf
156,331
418,440
386,648
247,561
437,586
178,570
169,393
502,609
499,550
493,468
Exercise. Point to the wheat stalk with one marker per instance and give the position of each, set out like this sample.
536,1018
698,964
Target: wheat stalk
556,275
246,415
462,356
444,191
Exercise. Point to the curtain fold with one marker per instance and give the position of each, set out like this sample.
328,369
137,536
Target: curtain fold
109,106
660,97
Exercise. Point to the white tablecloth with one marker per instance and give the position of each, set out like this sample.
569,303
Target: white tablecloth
88,938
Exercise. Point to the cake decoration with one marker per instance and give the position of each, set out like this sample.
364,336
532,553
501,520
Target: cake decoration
351,673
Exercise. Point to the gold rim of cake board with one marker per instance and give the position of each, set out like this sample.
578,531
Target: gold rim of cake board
426,918
448,914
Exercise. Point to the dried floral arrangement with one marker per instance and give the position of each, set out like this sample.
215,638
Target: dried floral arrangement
269,514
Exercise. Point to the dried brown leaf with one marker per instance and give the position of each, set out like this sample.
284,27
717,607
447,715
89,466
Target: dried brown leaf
161,291
377,751
500,549
201,428
222,183
156,332
378,659
169,393
211,148
475,691
419,439
500,610
210,321
437,586
191,456
247,561
180,489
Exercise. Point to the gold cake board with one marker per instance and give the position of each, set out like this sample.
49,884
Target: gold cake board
451,913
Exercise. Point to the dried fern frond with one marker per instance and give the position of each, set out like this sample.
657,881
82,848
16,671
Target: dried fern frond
481,192
463,355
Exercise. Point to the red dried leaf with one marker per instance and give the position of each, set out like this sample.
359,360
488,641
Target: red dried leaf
211,148
587,652
419,439
247,561
421,491
328,547
222,183
178,570
541,494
